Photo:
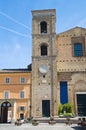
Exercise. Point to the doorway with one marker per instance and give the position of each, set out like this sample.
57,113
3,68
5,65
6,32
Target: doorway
46,108
4,112
81,104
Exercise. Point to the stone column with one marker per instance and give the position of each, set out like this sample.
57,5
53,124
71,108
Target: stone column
14,111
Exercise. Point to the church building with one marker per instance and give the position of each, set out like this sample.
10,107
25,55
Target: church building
58,66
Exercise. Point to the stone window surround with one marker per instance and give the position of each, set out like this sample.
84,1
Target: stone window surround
6,94
43,27
79,39
7,80
22,92
46,45
22,80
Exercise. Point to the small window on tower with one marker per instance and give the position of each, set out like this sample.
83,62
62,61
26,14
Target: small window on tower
43,50
43,27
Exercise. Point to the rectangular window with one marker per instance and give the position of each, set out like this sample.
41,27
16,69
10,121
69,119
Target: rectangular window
6,95
7,80
78,46
22,94
21,108
63,92
44,50
78,51
22,80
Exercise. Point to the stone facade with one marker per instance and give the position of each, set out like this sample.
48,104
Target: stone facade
44,83
72,68
63,65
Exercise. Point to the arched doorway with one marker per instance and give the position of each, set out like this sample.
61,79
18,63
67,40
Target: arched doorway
4,111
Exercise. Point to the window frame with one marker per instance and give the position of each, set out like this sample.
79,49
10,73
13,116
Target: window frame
78,52
6,94
22,94
81,40
22,80
7,80
43,27
44,49
21,108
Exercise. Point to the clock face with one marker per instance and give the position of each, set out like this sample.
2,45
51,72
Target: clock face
43,68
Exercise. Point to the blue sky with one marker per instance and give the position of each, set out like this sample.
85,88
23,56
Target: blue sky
16,23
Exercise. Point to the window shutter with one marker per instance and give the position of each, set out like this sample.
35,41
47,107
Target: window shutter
19,108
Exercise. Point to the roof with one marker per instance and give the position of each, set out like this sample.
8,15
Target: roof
74,30
28,69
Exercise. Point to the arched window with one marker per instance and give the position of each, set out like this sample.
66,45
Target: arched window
44,50
78,49
6,104
43,27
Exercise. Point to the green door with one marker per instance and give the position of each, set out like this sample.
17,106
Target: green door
46,108
81,102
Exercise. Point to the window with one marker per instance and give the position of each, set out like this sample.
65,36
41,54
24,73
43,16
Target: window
6,104
21,108
43,50
22,80
78,51
78,46
6,94
7,80
63,92
22,94
43,27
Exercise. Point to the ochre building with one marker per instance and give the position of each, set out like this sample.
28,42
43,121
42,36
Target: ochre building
58,74
14,94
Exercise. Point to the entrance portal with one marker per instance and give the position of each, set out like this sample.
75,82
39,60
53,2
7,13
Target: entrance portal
81,102
46,108
4,112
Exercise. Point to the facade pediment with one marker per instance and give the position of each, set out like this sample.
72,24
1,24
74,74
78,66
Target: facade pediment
76,31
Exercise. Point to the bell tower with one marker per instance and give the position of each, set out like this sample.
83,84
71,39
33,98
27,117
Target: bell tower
44,69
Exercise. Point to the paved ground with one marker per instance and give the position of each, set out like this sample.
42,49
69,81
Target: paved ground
41,126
